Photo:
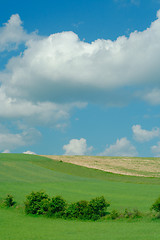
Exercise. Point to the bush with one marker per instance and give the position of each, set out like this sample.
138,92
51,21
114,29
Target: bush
77,210
132,214
115,214
156,205
127,213
8,201
97,208
91,210
57,207
37,203
135,213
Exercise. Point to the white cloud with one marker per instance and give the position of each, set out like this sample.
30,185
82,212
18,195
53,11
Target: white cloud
12,141
77,147
29,152
156,150
61,68
122,147
142,135
12,34
152,96
40,112
6,151
57,73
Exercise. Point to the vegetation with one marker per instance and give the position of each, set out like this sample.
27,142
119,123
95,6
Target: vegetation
39,203
128,214
156,205
88,210
21,174
57,207
8,201
17,225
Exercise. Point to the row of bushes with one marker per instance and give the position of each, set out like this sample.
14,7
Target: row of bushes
40,203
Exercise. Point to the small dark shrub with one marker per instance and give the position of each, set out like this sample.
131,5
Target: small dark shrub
57,206
8,201
156,205
37,203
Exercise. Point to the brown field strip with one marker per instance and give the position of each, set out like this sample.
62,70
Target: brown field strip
134,166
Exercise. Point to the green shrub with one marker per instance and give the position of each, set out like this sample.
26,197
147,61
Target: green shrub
156,205
157,215
91,210
8,201
97,208
135,213
131,214
57,207
114,214
127,213
77,210
37,203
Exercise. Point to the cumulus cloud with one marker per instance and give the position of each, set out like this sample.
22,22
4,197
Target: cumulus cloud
11,141
29,152
12,34
77,147
142,135
59,72
156,150
122,147
62,68
37,112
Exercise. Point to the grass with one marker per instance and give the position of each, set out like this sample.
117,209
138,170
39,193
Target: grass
14,225
20,174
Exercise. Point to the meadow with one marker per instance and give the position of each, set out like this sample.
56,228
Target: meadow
20,174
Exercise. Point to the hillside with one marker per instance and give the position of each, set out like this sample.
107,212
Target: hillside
20,174
134,166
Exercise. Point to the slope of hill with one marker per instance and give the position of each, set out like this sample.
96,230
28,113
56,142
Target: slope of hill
20,174
134,166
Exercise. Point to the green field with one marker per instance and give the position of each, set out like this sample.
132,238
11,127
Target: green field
20,174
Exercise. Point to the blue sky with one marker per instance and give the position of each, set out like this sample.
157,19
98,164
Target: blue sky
80,77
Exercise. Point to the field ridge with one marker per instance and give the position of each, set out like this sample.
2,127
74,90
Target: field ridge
133,166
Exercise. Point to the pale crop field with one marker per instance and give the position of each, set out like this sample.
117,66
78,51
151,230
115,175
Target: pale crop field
135,166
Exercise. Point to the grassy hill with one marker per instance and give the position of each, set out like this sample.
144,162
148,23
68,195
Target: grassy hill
20,174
